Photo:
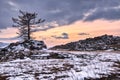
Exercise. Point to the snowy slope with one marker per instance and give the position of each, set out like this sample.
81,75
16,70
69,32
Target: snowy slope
77,66
3,45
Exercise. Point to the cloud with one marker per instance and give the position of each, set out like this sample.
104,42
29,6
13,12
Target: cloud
6,12
46,26
64,12
106,13
83,34
13,5
63,36
89,13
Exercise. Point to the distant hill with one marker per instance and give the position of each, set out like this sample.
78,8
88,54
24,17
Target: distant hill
104,42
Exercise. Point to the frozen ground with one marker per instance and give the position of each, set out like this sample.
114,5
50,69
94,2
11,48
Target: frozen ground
78,66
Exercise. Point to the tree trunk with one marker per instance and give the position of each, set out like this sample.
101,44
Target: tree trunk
28,31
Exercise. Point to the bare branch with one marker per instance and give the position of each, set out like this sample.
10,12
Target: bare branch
40,21
23,13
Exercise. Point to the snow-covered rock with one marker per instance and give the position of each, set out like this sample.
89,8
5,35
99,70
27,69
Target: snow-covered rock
25,46
20,49
105,42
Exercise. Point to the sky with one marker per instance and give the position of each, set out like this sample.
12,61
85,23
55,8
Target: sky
66,20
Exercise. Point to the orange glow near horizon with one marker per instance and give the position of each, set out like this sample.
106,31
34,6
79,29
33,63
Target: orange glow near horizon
95,28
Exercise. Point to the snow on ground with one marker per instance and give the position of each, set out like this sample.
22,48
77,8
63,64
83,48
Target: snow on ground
80,66
3,45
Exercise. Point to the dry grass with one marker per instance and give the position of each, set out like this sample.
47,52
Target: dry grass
3,77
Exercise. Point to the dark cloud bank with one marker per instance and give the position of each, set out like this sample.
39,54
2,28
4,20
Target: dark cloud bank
61,11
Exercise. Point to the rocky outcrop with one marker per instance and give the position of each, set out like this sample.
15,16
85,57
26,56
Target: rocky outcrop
25,46
21,49
105,42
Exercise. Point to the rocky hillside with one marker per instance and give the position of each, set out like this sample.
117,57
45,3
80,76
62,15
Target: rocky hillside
105,42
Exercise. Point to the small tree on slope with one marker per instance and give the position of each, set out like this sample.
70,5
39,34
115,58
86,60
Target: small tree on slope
25,22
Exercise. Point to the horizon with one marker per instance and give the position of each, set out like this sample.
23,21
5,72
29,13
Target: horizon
66,20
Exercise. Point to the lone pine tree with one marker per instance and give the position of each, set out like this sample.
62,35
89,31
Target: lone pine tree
25,23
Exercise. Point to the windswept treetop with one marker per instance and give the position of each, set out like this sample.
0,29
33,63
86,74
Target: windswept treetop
25,22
